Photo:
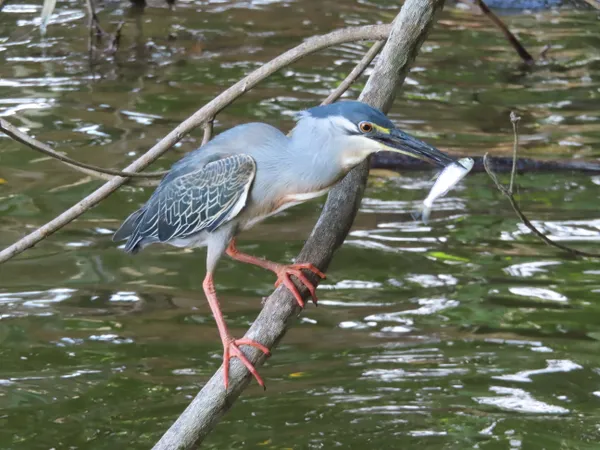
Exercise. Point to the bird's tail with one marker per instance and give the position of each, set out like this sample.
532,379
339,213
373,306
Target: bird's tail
130,230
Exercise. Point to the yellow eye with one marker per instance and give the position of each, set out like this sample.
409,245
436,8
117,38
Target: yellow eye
365,127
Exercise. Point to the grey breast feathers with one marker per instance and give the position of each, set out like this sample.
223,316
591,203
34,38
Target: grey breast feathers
200,199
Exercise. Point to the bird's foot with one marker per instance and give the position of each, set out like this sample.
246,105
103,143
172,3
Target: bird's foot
283,276
231,349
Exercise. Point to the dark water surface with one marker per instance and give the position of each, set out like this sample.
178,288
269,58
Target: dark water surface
467,333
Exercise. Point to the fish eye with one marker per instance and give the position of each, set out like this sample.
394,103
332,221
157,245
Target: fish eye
365,127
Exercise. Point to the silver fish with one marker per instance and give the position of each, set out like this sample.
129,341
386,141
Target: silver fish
448,178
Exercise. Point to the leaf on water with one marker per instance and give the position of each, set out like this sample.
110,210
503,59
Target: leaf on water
47,11
594,335
2,181
297,374
446,257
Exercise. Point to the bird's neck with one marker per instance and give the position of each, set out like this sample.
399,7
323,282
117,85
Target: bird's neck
322,159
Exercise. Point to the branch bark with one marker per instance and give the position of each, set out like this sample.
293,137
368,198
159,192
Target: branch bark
409,30
204,114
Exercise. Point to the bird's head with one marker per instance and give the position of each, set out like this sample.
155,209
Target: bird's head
355,130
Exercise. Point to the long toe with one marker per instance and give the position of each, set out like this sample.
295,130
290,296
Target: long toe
311,267
251,343
283,276
287,282
232,350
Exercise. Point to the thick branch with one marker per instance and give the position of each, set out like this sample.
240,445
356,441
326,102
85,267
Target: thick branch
409,30
204,114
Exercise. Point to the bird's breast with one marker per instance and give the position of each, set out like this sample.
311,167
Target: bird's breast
261,212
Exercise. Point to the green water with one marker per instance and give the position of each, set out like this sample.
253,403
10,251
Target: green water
465,334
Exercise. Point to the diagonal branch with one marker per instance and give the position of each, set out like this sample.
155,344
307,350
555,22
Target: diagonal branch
356,73
512,39
212,402
204,114
108,174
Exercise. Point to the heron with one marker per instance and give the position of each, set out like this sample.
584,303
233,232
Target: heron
253,171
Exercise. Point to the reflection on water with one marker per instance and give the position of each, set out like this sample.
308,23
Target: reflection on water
463,333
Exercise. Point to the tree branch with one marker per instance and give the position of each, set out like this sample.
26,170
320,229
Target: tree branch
88,169
208,131
523,53
108,174
508,193
200,417
356,72
204,114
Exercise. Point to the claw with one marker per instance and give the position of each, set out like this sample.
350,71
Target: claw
283,276
231,350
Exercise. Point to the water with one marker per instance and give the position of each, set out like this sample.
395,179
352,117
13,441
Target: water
467,333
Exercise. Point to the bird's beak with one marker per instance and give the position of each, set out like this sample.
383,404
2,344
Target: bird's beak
398,141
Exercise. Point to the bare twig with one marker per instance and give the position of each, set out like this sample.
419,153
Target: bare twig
544,52
514,119
409,31
88,169
94,27
356,72
524,54
208,131
314,44
116,40
508,193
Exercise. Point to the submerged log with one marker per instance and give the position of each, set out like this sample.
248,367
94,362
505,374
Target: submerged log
401,163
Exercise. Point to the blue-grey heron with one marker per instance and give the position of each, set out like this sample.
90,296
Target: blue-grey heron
253,171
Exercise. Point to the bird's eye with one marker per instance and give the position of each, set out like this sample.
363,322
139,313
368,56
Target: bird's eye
365,127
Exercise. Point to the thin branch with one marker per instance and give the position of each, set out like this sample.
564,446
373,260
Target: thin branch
514,119
102,173
116,40
508,193
211,403
93,26
88,169
208,131
211,109
107,174
544,52
356,72
524,54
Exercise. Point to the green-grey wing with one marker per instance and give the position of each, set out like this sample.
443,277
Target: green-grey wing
199,200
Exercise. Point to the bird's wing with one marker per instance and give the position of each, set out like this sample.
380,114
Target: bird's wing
201,199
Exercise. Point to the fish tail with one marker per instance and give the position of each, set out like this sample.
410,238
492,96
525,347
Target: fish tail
422,214
425,215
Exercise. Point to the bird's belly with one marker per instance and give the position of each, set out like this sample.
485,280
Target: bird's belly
282,204
198,240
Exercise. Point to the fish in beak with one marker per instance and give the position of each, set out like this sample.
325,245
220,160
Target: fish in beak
395,140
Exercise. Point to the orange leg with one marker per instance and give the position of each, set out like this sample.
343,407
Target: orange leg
282,271
230,345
